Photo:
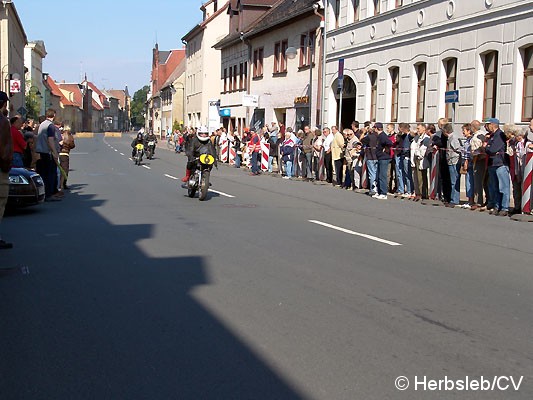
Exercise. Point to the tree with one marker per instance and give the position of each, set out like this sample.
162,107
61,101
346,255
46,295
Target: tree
137,106
33,104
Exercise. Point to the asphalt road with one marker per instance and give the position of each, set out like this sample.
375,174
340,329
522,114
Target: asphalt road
128,289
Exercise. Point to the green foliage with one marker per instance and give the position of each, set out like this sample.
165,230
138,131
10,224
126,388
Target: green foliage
137,106
33,105
177,126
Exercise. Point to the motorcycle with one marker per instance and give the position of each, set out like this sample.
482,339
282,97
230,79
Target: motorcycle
139,149
150,149
199,179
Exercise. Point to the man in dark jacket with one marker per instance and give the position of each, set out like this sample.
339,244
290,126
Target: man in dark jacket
369,141
383,155
499,188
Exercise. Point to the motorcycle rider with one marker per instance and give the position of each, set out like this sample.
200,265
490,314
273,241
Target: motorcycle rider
197,145
139,139
151,137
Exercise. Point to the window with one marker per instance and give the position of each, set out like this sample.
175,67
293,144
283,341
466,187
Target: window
337,13
225,80
245,86
230,76
490,65
450,67
284,47
235,80
241,76
307,44
215,5
280,59
373,75
399,3
356,9
420,91
395,80
258,63
377,6
527,106
277,56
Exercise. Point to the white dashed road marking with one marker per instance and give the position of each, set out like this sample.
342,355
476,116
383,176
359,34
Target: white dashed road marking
147,167
222,193
172,177
355,233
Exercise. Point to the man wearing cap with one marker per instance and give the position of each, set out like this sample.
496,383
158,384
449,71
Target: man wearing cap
496,149
6,158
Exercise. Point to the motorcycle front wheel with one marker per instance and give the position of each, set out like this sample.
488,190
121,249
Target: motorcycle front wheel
204,186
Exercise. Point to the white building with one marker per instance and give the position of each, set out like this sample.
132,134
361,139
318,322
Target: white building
402,56
34,52
203,62
12,42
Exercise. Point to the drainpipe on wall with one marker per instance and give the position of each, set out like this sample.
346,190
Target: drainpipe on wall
323,74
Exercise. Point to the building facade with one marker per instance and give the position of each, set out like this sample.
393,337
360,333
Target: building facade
12,42
202,83
285,65
402,57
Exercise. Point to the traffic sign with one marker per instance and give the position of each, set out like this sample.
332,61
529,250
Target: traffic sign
451,97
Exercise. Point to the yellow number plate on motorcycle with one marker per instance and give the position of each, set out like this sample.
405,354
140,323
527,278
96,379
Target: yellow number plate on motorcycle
207,159
139,146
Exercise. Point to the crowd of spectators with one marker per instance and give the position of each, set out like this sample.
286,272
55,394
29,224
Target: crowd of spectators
397,159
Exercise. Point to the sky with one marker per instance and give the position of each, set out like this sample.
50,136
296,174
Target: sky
111,41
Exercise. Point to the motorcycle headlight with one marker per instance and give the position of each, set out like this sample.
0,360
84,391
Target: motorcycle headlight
18,180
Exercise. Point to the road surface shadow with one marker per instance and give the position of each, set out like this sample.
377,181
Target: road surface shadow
95,318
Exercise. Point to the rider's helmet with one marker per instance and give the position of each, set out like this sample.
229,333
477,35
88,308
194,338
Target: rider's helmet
202,134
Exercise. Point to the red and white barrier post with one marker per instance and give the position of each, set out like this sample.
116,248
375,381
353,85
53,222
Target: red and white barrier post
526,184
224,151
232,155
265,153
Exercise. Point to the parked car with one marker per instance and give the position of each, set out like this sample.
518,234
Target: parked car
26,188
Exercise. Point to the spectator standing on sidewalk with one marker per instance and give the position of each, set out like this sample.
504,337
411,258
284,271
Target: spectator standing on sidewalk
287,154
67,144
391,173
383,154
349,154
403,164
467,166
419,148
337,155
496,149
328,164
369,142
6,158
517,148
19,144
47,149
453,155
254,147
479,165
307,148
317,152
